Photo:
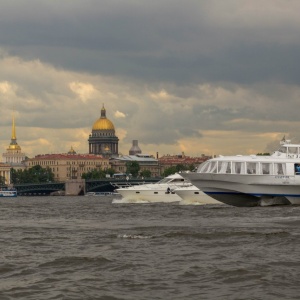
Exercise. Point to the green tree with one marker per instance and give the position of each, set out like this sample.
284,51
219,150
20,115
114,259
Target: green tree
110,171
180,167
13,176
2,180
35,174
191,167
169,171
133,168
145,173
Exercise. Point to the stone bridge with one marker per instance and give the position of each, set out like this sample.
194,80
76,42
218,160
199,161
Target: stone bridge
96,185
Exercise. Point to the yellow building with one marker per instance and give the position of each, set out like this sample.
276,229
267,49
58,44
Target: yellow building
69,165
5,172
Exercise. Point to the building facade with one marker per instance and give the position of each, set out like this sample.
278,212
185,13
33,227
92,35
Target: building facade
145,161
5,173
69,165
103,140
168,161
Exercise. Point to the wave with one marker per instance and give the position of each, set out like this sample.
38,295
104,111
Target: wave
225,235
68,261
134,236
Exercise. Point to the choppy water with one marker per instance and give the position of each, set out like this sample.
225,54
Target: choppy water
89,248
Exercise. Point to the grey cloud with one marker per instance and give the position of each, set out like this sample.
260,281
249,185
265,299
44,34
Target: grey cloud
171,41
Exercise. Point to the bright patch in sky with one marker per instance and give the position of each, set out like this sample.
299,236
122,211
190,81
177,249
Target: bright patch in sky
84,91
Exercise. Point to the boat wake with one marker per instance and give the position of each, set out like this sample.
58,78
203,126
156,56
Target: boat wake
125,200
191,202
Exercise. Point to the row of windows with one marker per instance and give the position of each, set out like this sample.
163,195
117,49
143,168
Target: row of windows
102,134
87,163
51,163
228,167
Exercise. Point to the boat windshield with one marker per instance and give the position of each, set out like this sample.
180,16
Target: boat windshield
293,150
173,180
282,149
203,167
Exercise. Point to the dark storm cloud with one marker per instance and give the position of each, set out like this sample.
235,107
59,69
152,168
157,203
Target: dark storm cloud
181,41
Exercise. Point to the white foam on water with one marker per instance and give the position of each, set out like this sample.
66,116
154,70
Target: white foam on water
134,236
191,202
125,200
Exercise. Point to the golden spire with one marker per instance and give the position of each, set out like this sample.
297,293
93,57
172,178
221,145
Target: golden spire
13,135
13,144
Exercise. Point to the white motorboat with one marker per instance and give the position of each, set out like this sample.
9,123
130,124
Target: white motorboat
5,192
162,191
191,195
252,180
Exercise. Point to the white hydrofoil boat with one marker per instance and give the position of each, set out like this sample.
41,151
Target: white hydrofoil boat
252,180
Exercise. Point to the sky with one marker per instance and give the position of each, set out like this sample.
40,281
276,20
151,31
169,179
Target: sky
196,76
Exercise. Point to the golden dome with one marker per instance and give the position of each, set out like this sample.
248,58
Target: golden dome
72,151
103,123
14,147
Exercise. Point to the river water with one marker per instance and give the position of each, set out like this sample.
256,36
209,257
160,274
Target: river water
88,248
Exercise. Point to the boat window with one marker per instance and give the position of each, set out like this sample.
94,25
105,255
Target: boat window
197,193
251,168
279,169
236,167
266,168
208,167
175,180
282,149
297,169
214,165
224,167
228,169
293,150
204,167
164,180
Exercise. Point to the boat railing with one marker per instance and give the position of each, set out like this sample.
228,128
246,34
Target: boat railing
125,184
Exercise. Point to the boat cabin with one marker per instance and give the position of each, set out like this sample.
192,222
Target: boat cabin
284,161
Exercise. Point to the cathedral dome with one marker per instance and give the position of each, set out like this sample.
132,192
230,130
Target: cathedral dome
103,123
14,147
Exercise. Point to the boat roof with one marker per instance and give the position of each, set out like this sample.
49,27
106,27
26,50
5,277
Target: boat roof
283,155
176,175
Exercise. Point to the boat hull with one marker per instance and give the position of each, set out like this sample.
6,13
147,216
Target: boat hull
248,190
194,196
8,194
148,195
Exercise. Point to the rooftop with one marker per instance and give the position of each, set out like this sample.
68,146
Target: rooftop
68,156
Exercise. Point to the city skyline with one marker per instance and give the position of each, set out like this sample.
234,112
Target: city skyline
217,77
